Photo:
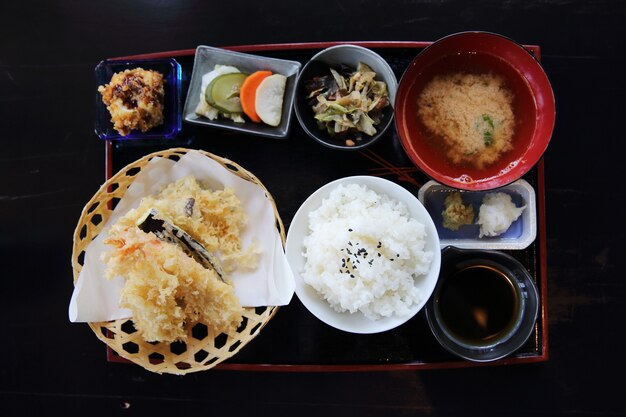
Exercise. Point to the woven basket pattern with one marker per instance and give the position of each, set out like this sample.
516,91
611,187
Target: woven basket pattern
202,350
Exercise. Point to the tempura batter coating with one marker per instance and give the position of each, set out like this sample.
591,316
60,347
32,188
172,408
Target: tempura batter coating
167,290
134,99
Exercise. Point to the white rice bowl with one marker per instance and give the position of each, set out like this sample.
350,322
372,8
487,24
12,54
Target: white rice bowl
347,224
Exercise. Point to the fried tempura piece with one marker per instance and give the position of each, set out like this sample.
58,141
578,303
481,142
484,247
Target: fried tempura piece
166,290
134,99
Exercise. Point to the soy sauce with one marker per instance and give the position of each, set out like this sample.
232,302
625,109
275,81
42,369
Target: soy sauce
478,304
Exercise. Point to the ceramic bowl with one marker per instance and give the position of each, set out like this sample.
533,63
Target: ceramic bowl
483,53
357,322
334,57
485,304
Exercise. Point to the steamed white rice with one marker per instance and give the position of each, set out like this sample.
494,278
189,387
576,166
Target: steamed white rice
365,253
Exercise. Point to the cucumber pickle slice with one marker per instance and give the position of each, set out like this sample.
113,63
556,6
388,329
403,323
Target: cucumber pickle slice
223,92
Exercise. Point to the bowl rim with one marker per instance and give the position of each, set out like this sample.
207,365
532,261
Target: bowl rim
524,164
313,134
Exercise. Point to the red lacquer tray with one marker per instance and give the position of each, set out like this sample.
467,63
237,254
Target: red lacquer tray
291,169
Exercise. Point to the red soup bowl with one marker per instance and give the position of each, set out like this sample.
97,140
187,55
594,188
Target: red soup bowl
532,105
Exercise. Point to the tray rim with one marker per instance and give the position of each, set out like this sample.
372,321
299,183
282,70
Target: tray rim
542,320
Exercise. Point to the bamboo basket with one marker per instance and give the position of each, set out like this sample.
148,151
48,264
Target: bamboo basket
202,350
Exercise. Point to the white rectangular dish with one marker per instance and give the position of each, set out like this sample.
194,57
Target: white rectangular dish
519,235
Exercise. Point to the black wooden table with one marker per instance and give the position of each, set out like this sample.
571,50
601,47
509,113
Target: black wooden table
52,163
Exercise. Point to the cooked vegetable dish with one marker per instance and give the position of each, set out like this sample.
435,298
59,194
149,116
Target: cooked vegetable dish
348,103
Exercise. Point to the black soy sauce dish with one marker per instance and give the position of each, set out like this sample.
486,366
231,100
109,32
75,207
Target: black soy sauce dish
484,306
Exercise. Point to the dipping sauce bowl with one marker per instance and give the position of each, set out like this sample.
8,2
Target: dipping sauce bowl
484,306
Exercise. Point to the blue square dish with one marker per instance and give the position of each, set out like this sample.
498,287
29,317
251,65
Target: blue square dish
172,119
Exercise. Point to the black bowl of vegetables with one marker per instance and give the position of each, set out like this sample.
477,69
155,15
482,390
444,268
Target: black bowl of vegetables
345,96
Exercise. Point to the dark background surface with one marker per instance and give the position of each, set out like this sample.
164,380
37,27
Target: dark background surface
52,163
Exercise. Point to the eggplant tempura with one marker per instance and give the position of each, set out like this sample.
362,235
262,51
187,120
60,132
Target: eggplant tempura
166,251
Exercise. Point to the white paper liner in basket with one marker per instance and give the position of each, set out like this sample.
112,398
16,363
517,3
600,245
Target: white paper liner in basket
202,350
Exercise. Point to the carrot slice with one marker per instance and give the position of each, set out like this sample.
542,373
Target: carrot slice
247,93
